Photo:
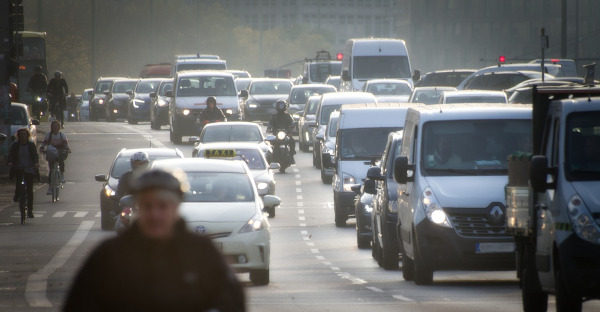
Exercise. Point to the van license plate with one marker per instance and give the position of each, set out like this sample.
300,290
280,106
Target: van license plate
494,247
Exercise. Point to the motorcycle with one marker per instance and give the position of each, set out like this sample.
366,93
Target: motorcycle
72,114
40,105
281,149
128,212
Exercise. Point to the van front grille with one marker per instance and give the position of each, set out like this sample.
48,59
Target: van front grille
476,224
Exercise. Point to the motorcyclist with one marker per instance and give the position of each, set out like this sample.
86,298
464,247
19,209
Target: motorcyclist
37,86
212,113
57,90
139,161
72,105
282,120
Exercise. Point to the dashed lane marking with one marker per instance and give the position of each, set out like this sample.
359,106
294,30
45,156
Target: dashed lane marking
402,298
375,289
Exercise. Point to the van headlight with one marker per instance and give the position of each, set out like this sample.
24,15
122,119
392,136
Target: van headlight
583,224
348,181
183,112
253,225
433,209
100,101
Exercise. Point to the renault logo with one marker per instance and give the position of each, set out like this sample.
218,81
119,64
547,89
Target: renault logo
496,216
200,229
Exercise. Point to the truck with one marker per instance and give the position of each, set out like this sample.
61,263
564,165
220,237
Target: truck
553,200
317,70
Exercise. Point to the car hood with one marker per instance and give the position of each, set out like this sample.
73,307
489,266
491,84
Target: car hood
120,96
217,212
588,190
261,176
199,102
356,168
392,98
468,191
143,97
268,98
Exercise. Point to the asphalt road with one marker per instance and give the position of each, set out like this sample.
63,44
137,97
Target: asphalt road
314,265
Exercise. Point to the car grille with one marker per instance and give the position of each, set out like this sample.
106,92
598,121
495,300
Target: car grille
476,224
219,235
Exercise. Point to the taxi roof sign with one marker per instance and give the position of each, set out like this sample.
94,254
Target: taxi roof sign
219,153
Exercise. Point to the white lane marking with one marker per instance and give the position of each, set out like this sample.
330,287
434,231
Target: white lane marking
304,232
98,214
299,197
327,205
400,297
301,218
303,224
375,289
298,190
314,251
298,183
300,204
335,268
35,291
300,211
309,244
153,142
298,176
306,238
353,279
320,257
296,170
59,214
80,214
327,263
36,213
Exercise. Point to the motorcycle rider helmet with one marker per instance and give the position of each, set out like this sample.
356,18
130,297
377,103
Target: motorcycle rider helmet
139,159
38,69
281,106
57,73
211,99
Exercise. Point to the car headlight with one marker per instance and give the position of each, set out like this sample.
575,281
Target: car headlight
161,102
368,208
109,191
229,111
253,225
583,224
39,98
348,181
280,135
101,101
433,209
262,185
183,112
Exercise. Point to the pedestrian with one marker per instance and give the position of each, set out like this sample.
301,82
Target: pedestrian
156,264
57,91
23,160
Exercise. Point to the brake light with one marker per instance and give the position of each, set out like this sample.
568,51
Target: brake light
339,56
554,61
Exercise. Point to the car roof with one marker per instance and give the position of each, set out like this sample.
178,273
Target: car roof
110,78
229,145
474,111
200,61
445,71
372,81
202,165
435,88
230,124
200,72
355,97
151,152
314,85
21,105
473,93
270,80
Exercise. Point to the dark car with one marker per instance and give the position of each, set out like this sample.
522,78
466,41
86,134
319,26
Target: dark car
385,202
139,106
446,78
108,202
260,98
98,97
299,95
502,80
159,106
363,206
117,98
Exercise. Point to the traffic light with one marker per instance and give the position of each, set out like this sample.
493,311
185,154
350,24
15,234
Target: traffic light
502,59
339,56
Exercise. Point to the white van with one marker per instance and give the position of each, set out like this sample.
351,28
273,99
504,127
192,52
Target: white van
374,58
361,137
451,174
188,99
197,64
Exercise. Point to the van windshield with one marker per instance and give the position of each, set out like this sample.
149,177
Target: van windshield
583,146
321,70
472,147
206,86
370,67
363,143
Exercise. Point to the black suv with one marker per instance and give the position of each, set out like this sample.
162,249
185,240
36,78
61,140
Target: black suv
117,100
98,97
384,215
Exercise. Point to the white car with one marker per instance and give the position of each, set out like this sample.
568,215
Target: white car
223,203
20,117
473,96
389,90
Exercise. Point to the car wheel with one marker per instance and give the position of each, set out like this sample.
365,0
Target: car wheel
565,299
325,178
408,268
390,252
423,274
362,241
259,277
340,217
534,299
107,222
281,169
374,245
91,116
319,162
174,136
152,125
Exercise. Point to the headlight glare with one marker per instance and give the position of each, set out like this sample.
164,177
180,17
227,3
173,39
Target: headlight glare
253,225
583,224
433,209
262,185
281,135
109,191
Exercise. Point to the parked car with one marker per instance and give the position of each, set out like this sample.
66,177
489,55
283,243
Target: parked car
444,78
118,98
428,95
98,97
20,117
389,90
473,96
139,106
307,116
159,105
260,98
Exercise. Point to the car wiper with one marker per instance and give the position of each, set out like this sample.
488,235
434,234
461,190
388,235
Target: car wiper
459,171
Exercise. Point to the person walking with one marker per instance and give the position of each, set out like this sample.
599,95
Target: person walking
156,264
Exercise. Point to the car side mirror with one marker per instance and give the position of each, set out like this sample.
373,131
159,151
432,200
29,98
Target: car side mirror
374,173
129,92
401,168
127,201
35,122
369,187
270,201
538,173
101,177
169,93
328,161
312,124
91,92
356,188
152,94
274,166
270,137
193,139
3,137
345,75
416,75
320,136
244,94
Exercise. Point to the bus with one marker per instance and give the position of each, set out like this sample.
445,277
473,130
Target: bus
34,54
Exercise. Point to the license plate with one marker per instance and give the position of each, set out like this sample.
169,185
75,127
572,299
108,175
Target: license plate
494,247
219,246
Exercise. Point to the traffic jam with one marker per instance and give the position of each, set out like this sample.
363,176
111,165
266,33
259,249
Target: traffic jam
494,169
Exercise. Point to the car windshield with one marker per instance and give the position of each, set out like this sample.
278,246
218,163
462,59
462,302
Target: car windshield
206,66
497,82
389,89
102,86
271,87
123,86
472,147
300,95
18,116
450,79
237,133
253,158
219,187
332,127
242,84
123,164
370,67
312,106
427,96
476,99
363,143
206,86
583,146
147,86
85,96
319,71
164,87
326,111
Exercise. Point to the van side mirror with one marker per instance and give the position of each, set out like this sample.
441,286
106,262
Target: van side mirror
327,160
416,75
374,173
152,94
169,93
101,177
369,187
538,173
311,124
345,75
91,92
356,188
401,168
244,94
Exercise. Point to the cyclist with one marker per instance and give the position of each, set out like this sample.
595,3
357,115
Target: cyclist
23,160
58,140
139,161
37,86
212,113
57,90
282,120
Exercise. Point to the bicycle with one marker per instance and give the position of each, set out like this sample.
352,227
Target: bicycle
22,195
56,175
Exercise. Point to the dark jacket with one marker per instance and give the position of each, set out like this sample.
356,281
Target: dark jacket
212,116
37,83
58,87
124,187
281,121
133,273
13,158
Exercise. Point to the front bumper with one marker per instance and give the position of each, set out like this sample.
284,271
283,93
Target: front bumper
345,202
247,251
140,113
117,110
161,115
580,266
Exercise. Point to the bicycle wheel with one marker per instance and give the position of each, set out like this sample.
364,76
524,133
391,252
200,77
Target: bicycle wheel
23,202
54,183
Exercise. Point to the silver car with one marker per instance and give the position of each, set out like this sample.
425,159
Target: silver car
306,118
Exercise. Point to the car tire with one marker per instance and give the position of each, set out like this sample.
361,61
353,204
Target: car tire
534,299
319,162
259,277
152,125
325,178
174,136
389,254
423,274
340,217
374,245
91,116
408,269
361,241
107,222
566,301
